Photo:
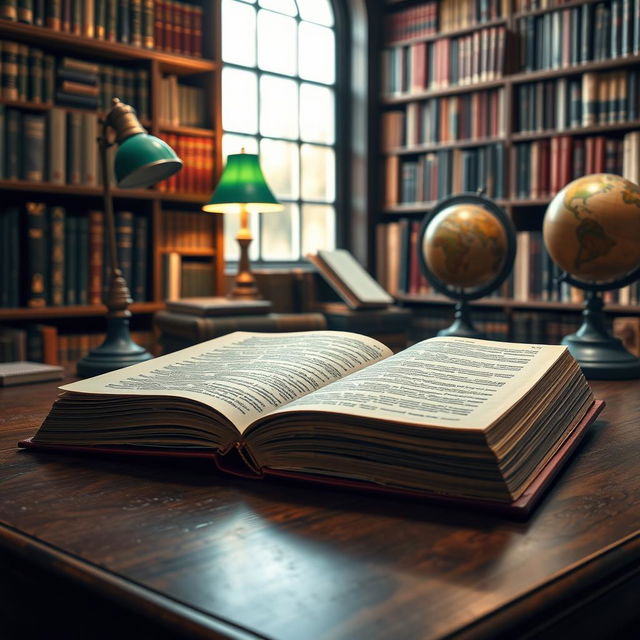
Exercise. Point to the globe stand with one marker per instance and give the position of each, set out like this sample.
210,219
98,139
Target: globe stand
462,325
601,355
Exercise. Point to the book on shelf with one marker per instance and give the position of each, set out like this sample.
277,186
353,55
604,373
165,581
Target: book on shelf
254,402
186,276
182,104
196,174
166,25
24,372
349,279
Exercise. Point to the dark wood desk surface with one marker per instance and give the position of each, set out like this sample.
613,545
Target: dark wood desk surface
199,554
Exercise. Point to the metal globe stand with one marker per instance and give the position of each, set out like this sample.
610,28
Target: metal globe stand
462,326
601,355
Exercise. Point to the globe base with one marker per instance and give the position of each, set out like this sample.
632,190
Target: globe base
600,355
462,326
603,359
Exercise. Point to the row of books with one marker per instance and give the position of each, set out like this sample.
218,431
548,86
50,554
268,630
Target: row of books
461,60
45,343
570,103
432,176
524,6
161,24
186,277
28,74
196,175
577,35
429,18
472,116
54,258
57,146
182,104
187,230
543,167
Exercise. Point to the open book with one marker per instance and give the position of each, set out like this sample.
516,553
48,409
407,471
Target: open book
467,420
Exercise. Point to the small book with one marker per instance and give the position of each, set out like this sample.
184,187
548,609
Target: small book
350,280
466,421
22,372
219,306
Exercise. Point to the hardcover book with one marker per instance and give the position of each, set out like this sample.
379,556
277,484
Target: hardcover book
349,279
455,419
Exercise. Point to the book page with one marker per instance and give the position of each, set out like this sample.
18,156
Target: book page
447,382
244,375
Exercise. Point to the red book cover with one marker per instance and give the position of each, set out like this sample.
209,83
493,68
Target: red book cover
414,266
599,154
555,166
167,25
590,163
158,24
178,27
187,29
96,244
565,161
197,31
544,184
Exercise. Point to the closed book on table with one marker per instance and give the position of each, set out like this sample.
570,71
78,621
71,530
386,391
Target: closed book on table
219,306
12,373
341,318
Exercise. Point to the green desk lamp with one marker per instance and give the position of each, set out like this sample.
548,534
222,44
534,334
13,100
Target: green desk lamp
243,189
141,161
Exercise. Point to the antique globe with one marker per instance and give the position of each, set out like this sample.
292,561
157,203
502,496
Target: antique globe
591,229
466,247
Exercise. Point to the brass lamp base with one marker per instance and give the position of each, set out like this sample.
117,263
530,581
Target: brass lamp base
244,285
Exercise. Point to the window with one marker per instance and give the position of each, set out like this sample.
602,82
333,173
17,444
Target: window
279,100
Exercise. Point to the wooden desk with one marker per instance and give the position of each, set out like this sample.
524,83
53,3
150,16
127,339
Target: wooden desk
101,547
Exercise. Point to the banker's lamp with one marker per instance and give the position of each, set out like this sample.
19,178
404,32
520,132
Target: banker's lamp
141,161
242,189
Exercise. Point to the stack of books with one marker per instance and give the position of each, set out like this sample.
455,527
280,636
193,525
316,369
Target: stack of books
77,83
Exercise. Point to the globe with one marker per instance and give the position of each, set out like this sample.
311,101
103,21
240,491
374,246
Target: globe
592,228
465,246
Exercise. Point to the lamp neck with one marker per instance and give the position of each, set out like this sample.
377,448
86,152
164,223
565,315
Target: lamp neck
244,233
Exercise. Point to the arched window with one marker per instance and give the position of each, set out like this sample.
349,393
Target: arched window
279,100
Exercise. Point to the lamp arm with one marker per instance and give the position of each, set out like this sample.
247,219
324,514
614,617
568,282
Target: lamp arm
118,295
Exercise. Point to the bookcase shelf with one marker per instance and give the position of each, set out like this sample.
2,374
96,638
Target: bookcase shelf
44,313
406,112
69,43
163,216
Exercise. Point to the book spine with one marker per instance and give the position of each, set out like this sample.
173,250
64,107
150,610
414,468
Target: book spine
96,242
23,72
74,148
36,73
88,19
111,22
140,260
9,9
124,243
37,271
148,24
124,21
100,24
34,147
158,24
136,22
13,150
53,15
10,70
82,256
25,11
57,255
70,260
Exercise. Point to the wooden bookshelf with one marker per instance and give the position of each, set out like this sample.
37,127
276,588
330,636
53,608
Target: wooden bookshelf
202,71
526,212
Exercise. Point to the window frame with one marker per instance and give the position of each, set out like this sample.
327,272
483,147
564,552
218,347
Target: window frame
341,145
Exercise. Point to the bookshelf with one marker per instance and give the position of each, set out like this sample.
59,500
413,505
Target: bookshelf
550,49
186,47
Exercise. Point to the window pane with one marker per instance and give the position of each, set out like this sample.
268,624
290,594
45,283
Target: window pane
279,229
239,102
318,173
234,144
319,11
318,227
316,52
276,43
287,7
317,122
278,107
280,165
238,18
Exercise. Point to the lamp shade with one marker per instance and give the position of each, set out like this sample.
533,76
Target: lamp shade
142,160
242,182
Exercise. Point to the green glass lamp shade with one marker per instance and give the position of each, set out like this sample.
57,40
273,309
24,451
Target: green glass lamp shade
242,182
143,160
